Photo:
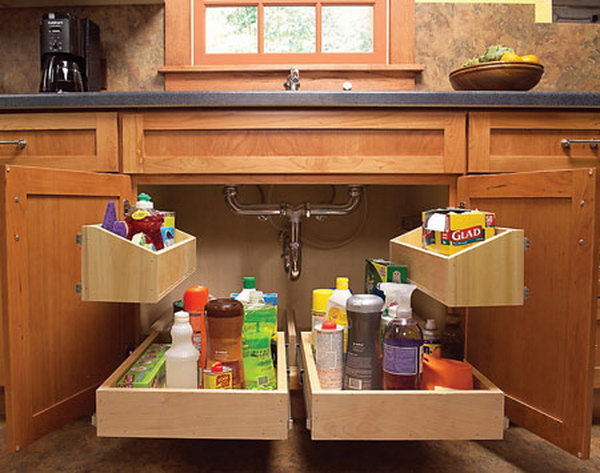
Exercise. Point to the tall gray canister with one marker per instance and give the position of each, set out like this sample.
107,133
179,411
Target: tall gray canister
363,359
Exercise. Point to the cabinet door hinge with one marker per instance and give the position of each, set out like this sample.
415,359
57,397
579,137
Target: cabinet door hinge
525,293
78,238
526,243
78,288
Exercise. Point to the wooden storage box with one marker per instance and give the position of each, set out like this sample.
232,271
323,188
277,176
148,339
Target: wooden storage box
401,415
116,270
193,413
489,273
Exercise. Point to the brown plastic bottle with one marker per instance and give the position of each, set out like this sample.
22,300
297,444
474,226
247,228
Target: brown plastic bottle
225,319
453,339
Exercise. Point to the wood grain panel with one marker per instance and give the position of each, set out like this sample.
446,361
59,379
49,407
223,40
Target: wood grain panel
526,141
85,141
178,32
247,143
548,390
425,415
195,413
380,80
59,348
294,141
401,40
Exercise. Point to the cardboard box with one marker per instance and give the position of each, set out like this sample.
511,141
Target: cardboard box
381,270
448,231
149,371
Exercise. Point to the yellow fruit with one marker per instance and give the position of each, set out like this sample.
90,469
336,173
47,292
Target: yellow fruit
511,57
530,58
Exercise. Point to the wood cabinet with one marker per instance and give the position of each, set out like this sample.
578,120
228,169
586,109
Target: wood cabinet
501,141
280,141
56,349
540,355
85,141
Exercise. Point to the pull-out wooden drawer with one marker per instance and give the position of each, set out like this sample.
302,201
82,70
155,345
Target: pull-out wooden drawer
84,141
401,415
193,413
294,141
529,141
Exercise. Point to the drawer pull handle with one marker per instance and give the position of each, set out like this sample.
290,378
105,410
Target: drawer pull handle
20,143
566,143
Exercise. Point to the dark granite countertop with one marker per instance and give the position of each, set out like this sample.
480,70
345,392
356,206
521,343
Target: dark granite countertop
440,99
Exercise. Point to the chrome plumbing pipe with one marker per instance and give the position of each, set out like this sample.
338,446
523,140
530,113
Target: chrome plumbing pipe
291,237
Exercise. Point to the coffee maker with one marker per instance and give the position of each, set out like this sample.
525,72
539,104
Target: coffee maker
70,54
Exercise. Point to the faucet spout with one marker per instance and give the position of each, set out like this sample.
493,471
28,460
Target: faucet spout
293,79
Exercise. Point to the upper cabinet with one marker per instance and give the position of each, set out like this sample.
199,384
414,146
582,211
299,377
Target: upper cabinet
293,142
83,141
504,141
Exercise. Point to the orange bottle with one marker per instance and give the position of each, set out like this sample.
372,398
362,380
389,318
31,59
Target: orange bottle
225,318
194,303
445,373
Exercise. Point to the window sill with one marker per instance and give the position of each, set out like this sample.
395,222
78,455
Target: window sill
236,77
414,68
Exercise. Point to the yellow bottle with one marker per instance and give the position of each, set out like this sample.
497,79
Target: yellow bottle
336,306
320,297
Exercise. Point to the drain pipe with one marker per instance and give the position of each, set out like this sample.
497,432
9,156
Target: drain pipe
291,238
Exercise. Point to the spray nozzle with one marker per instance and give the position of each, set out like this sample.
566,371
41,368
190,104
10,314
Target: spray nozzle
399,295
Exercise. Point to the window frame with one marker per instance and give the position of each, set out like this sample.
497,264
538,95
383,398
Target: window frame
381,35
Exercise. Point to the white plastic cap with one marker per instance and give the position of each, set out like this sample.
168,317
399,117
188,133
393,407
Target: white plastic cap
430,324
399,313
255,297
182,316
144,204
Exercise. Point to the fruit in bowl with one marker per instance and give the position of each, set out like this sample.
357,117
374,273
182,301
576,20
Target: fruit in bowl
499,68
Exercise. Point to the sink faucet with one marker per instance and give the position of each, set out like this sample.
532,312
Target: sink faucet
293,80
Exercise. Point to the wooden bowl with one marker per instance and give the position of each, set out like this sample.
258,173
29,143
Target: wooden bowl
497,75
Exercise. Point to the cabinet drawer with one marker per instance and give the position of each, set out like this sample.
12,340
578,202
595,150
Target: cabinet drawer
114,269
84,141
401,415
294,141
489,273
193,413
530,141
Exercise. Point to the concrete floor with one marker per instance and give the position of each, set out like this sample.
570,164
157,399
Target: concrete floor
75,448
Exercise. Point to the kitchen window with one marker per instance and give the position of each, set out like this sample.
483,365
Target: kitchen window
290,31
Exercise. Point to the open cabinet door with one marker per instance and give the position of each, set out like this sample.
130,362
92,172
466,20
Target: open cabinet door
56,349
541,354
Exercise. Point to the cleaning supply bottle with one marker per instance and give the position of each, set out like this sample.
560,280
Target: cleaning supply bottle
259,322
402,346
225,318
143,218
249,285
195,299
431,337
182,357
453,340
320,298
363,360
336,306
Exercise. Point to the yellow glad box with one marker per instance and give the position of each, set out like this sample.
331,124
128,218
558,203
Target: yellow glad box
449,231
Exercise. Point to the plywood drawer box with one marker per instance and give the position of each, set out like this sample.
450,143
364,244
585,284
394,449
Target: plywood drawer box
529,141
84,141
193,413
489,273
116,270
298,141
401,415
